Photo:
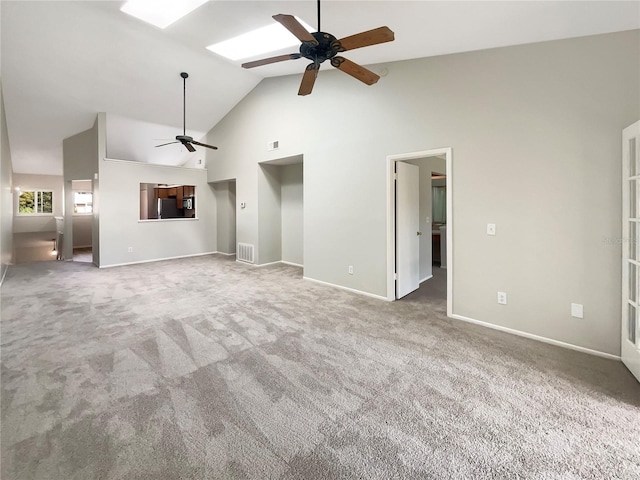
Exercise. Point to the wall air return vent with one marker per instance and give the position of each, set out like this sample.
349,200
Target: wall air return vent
245,252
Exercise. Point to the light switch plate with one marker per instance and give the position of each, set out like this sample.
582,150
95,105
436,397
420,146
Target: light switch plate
577,310
491,228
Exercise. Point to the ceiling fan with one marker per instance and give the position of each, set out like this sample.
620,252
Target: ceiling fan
185,139
320,46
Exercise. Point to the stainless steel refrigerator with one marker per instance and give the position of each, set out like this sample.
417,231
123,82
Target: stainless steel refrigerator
167,208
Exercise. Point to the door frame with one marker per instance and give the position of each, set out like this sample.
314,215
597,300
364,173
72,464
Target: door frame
391,218
629,353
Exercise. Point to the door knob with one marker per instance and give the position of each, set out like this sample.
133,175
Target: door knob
418,233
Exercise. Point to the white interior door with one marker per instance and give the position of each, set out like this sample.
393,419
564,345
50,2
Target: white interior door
407,228
630,348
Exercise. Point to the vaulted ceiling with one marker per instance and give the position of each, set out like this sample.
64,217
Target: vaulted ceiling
64,61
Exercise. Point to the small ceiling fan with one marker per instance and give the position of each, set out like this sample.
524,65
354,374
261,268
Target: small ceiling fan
320,46
185,139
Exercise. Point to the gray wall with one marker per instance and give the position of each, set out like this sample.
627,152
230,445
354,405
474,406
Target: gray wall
6,195
101,126
535,132
225,193
39,223
121,228
292,213
82,225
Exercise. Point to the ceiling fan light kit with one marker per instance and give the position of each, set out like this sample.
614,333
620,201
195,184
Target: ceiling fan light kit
321,46
187,141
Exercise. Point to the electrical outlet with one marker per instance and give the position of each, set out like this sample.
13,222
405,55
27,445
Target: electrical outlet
502,298
130,249
577,310
350,269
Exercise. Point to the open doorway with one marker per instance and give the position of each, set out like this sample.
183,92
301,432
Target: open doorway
439,219
82,221
412,230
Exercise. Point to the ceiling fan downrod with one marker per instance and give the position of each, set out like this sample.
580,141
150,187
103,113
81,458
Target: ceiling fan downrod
187,141
184,76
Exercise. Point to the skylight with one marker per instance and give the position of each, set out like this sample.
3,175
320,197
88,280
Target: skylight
257,42
160,13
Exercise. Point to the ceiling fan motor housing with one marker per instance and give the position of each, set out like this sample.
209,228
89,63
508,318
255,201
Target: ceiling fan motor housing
328,47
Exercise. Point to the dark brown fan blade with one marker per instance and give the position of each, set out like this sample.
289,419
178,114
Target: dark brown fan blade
204,145
290,23
355,70
308,79
266,61
162,145
189,146
364,39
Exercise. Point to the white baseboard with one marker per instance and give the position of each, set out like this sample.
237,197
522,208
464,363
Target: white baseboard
259,264
532,336
425,279
156,260
292,264
278,262
352,290
227,254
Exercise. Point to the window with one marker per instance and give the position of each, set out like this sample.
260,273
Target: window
439,197
33,202
82,203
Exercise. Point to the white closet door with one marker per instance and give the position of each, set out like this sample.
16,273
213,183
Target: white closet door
630,348
407,228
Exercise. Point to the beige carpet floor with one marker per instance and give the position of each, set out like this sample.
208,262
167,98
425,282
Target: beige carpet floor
204,368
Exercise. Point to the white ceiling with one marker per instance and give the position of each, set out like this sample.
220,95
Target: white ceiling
64,61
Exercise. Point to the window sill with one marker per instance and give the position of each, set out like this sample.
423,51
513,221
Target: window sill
29,215
155,220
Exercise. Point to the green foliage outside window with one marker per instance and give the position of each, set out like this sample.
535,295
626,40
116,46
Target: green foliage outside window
46,202
27,202
35,202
